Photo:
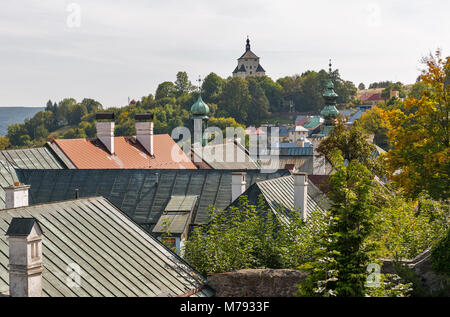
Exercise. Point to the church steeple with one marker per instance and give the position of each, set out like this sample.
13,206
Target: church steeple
247,47
248,64
330,97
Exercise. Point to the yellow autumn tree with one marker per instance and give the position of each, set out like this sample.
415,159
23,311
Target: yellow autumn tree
419,137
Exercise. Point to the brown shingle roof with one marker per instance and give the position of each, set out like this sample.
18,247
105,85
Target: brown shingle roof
129,154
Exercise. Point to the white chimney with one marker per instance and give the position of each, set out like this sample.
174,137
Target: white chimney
24,236
144,131
105,130
16,195
301,193
238,185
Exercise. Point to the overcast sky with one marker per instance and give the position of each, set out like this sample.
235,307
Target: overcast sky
112,50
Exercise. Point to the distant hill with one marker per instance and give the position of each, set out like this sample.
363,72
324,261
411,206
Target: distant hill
10,115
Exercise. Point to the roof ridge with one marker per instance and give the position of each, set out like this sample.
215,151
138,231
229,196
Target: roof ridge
55,203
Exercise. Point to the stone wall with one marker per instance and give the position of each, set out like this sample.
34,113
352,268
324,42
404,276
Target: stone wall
435,283
256,283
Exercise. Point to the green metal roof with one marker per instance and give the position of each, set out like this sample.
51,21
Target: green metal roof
117,257
200,108
329,111
141,194
312,123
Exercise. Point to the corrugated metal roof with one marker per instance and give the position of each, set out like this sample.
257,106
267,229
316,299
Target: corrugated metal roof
226,156
60,154
279,195
128,153
313,122
181,203
35,158
300,151
116,257
173,222
141,194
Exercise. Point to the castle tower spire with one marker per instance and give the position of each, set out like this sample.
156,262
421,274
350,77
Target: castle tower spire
247,47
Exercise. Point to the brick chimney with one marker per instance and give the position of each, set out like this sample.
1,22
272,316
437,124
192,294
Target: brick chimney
16,195
238,184
24,236
144,131
301,193
105,129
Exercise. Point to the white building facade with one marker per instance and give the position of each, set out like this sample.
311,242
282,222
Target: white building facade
248,64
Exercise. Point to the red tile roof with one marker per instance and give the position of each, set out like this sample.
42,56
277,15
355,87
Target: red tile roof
372,97
129,154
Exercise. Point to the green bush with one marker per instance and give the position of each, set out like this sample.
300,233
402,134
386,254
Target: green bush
440,255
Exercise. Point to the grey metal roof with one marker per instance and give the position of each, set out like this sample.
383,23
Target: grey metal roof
279,195
173,222
297,151
181,203
60,154
176,215
216,156
141,194
116,256
35,158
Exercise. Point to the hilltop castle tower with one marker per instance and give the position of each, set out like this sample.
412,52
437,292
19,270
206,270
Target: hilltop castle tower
248,64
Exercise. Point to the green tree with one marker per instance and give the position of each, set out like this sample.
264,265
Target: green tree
212,88
353,145
235,99
361,86
4,143
183,84
341,271
258,109
91,105
165,89
273,92
418,90
385,94
62,111
15,133
419,136
75,112
247,236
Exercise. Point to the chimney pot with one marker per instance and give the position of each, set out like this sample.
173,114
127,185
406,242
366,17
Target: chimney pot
238,184
105,129
144,131
301,193
16,195
24,236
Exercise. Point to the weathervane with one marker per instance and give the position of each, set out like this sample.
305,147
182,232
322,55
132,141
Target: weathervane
199,84
330,65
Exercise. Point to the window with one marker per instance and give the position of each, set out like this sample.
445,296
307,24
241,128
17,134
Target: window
170,242
34,250
250,73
